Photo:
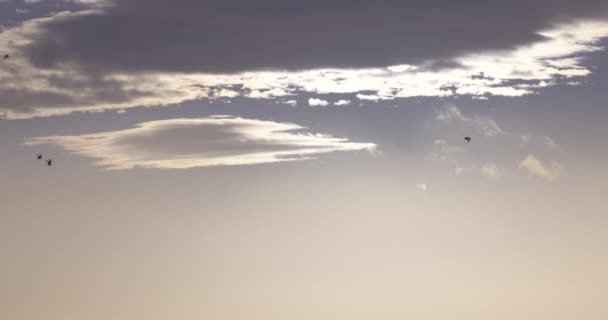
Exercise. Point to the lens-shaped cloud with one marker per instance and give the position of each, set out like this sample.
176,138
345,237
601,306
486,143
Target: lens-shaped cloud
213,141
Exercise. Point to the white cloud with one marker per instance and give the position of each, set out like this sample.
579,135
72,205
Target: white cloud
342,103
213,141
228,93
314,102
400,68
535,167
421,186
373,97
490,170
29,91
292,103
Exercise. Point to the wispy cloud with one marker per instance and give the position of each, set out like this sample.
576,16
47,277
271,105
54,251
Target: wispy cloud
550,171
213,141
482,125
421,186
292,103
543,141
490,170
342,102
492,163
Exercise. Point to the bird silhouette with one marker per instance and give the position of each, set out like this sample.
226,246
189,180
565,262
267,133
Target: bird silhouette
6,56
49,162
468,139
39,156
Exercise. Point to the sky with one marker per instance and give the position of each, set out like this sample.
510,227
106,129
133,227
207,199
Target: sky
243,160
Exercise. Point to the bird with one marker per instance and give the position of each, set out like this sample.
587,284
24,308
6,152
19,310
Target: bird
6,56
468,139
39,156
49,162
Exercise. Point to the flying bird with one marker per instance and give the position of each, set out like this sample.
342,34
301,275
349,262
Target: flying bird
6,56
39,156
49,162
468,139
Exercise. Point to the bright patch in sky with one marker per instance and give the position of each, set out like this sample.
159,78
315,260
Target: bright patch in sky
213,141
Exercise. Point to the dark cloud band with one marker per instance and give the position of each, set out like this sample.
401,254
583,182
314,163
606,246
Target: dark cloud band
241,35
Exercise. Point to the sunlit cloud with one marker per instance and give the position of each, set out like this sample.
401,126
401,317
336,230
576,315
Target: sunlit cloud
342,102
550,171
29,91
213,141
314,102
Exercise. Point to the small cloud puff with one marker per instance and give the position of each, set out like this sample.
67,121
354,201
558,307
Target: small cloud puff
213,141
537,168
422,187
342,103
490,170
314,102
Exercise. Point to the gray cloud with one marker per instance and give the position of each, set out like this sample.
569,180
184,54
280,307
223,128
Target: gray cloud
123,54
239,35
213,141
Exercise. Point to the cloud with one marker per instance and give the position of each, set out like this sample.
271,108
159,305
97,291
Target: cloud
314,102
213,141
73,61
421,186
541,141
482,125
342,103
490,170
451,113
491,159
238,35
537,168
373,97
